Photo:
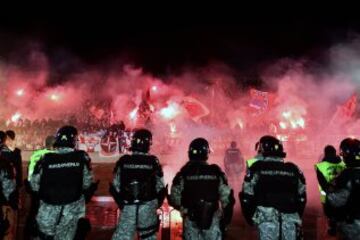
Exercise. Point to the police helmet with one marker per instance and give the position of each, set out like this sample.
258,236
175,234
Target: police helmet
350,151
141,141
66,136
11,134
270,146
199,149
329,151
3,137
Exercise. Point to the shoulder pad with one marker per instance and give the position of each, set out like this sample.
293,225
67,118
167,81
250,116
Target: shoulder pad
291,165
121,161
184,168
295,168
155,159
257,164
38,165
216,167
219,172
85,157
177,178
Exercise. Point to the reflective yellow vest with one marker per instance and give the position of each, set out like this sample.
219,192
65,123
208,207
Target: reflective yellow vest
35,157
330,171
250,162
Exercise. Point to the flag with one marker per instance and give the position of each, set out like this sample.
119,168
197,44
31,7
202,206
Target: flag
259,100
349,107
109,146
344,112
195,108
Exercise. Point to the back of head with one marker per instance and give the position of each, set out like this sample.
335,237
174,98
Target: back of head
233,144
199,150
3,137
269,146
329,151
141,141
66,136
49,142
350,151
10,134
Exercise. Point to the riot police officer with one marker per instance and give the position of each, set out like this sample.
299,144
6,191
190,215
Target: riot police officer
13,159
7,195
233,162
273,195
345,194
196,192
63,181
139,190
326,171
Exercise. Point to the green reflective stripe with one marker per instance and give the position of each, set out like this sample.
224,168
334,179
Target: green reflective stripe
35,157
330,170
322,195
250,162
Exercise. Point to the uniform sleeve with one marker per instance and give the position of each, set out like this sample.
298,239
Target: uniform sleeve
160,184
18,166
88,177
321,179
247,195
225,192
340,196
35,178
177,188
33,159
302,197
227,199
116,177
8,184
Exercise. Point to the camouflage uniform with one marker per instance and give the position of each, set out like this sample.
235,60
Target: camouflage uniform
7,177
12,159
271,222
8,184
345,197
224,194
138,217
60,221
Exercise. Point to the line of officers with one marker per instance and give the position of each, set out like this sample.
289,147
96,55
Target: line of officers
273,195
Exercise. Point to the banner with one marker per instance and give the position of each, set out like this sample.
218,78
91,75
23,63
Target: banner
259,100
109,146
89,143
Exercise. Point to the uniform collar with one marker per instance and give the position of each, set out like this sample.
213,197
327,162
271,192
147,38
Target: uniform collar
64,150
4,147
335,159
272,159
139,153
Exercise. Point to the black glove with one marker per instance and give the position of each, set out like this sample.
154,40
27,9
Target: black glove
162,195
14,200
4,226
223,228
89,193
116,196
248,209
228,210
83,228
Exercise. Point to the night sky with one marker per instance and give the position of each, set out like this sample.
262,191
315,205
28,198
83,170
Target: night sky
163,42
